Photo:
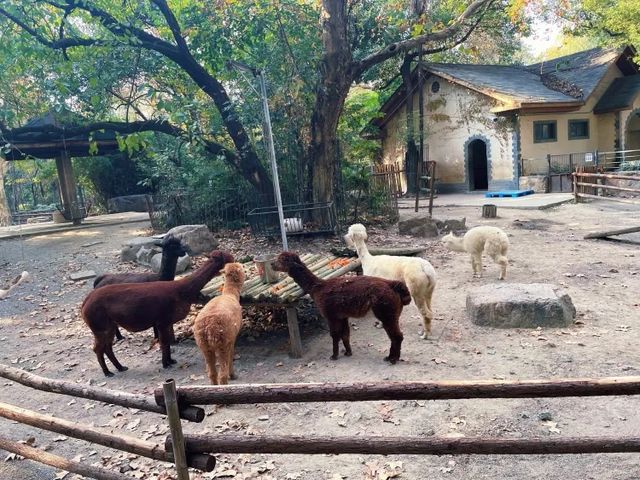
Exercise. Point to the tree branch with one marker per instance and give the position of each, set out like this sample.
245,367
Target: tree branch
172,21
128,102
407,45
60,44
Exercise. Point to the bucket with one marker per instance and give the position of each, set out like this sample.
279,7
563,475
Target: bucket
266,272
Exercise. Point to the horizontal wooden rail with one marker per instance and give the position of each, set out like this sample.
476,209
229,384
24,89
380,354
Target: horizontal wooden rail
607,175
106,395
100,437
613,199
405,445
608,187
59,462
369,391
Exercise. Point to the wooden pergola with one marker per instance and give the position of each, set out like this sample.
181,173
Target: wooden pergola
44,138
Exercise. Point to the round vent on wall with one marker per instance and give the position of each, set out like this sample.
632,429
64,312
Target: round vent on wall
435,87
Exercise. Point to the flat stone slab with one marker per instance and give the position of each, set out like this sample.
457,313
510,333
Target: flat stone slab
82,275
520,305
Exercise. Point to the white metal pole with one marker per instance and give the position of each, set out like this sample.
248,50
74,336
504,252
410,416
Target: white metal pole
272,155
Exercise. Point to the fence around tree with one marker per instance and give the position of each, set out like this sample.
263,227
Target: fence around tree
197,450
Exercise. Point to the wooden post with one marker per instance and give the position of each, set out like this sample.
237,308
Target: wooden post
40,456
489,211
575,187
173,416
68,188
432,182
106,395
98,436
385,445
294,332
373,391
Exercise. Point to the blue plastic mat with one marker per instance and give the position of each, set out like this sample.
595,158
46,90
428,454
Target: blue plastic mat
508,193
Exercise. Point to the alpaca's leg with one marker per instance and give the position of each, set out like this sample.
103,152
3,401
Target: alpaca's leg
163,336
498,253
118,334
114,360
346,337
335,329
210,360
476,263
224,367
390,318
99,347
172,335
422,298
232,371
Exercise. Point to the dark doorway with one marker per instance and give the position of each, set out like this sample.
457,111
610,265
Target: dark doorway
478,171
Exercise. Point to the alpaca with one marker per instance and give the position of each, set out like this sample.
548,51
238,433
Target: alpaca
492,240
417,273
172,249
23,277
339,298
217,325
139,306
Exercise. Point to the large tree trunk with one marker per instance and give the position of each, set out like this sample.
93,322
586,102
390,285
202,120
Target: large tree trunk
5,211
336,76
412,154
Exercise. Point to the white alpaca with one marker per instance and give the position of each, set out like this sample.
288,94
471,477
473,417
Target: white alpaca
493,241
417,273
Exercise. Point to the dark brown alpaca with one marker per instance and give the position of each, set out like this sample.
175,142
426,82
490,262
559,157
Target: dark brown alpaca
344,297
139,306
172,249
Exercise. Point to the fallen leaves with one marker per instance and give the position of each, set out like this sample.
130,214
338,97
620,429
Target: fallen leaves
373,470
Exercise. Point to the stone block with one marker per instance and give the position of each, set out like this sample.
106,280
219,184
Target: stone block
195,238
131,247
183,264
520,305
128,203
82,275
418,227
146,253
452,225
537,183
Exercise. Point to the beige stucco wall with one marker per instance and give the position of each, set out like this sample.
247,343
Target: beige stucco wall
601,127
453,116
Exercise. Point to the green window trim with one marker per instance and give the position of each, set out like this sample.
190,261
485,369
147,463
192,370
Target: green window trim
545,131
574,132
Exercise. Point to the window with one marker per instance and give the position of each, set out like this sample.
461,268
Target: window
545,131
435,87
578,129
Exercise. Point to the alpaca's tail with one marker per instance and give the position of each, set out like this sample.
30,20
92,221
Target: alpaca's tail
403,292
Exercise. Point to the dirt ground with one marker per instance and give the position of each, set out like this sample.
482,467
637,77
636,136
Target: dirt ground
40,331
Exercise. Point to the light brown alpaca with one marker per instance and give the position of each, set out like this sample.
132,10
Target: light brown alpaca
217,326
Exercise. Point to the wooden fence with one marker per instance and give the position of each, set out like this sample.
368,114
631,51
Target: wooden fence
196,450
594,185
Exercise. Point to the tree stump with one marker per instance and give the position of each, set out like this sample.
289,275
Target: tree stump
489,211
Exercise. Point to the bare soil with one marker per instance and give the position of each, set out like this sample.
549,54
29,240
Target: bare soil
41,331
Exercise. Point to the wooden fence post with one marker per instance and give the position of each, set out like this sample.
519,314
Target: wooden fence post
548,173
575,186
173,416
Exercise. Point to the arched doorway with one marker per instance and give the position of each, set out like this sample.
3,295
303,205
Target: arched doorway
477,165
632,133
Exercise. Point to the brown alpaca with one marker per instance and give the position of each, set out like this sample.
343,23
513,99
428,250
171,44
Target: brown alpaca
139,306
344,297
217,326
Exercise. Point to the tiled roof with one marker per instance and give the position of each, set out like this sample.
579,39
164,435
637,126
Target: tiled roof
516,83
619,95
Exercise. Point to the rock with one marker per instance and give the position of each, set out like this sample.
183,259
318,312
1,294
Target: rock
520,305
146,253
195,238
418,227
545,416
451,225
130,248
184,262
128,203
82,275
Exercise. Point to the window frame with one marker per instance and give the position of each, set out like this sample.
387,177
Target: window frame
578,120
545,140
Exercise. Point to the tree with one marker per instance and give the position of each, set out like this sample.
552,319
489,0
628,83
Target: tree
5,212
612,22
168,56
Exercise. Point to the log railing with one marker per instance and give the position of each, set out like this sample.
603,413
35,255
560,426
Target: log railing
593,185
81,431
376,391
